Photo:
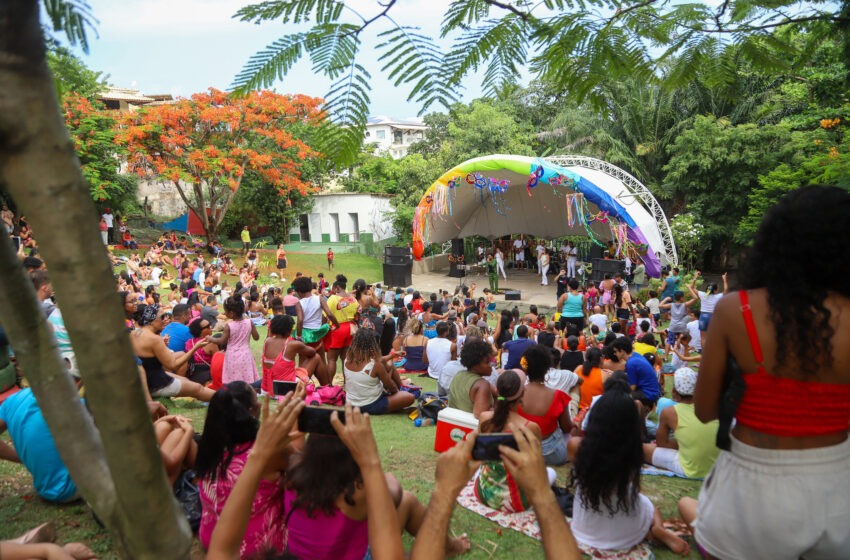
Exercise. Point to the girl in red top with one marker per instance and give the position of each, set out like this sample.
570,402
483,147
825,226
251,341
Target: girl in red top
548,408
330,258
788,463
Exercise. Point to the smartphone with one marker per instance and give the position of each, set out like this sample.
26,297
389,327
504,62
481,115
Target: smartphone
317,419
283,387
486,446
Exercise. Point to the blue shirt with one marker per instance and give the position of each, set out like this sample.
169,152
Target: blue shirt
179,334
35,447
642,375
515,349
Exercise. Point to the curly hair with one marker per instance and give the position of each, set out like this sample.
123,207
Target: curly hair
785,246
303,284
474,351
341,282
537,361
231,422
364,347
326,470
608,462
509,386
281,325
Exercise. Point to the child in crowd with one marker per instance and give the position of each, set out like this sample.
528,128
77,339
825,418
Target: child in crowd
280,352
609,512
238,361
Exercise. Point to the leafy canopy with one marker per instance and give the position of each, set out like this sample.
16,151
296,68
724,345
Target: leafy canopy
204,146
578,46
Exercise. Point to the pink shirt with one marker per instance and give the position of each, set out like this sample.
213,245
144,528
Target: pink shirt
265,527
325,537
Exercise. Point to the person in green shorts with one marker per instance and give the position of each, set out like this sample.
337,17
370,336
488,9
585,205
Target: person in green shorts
493,274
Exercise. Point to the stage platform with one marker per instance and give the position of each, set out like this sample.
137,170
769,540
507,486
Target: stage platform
524,280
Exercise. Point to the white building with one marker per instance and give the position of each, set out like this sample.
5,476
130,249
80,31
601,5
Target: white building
394,136
345,216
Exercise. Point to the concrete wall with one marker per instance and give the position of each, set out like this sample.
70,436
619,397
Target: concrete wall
162,198
371,212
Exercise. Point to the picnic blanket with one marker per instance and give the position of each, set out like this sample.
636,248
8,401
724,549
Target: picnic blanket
526,523
649,470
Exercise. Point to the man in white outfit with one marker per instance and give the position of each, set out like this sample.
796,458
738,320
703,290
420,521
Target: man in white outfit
572,253
540,250
500,262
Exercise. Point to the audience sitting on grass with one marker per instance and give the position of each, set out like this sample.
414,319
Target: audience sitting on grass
494,486
228,438
683,444
414,345
641,374
548,408
280,352
442,349
469,391
609,512
160,363
371,381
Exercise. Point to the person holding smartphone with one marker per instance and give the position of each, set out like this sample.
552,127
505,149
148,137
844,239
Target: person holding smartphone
494,486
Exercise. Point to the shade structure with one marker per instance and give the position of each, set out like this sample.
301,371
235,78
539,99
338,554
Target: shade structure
500,195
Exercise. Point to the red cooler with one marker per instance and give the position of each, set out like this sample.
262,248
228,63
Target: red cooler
452,427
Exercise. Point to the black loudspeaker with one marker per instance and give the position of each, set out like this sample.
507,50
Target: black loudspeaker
396,255
398,275
594,252
513,295
456,271
601,267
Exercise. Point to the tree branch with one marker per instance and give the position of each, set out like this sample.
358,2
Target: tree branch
524,16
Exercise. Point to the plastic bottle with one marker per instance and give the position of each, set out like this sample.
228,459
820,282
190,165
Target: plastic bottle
419,422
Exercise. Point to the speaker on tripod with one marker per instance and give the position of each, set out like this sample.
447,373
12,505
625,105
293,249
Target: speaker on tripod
457,268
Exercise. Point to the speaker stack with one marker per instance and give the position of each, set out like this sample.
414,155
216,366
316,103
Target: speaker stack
398,266
457,269
601,267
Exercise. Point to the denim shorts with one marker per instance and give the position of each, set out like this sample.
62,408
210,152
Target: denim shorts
704,318
380,406
555,448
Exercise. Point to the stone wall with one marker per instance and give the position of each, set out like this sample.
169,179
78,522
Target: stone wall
161,198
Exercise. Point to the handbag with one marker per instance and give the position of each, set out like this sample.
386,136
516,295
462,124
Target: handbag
189,497
730,397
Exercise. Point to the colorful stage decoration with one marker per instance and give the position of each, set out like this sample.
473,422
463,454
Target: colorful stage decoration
489,183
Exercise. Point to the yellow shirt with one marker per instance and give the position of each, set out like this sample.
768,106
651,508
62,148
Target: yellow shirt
343,308
246,236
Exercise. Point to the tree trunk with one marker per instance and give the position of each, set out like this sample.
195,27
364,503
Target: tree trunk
42,174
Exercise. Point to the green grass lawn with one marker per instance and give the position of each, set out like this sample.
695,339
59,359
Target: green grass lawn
405,450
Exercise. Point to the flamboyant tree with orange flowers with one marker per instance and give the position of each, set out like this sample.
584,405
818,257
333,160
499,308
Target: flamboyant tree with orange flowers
205,145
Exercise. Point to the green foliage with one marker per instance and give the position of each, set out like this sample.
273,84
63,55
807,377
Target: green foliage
71,75
715,165
73,18
689,236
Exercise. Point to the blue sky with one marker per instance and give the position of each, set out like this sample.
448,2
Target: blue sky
184,46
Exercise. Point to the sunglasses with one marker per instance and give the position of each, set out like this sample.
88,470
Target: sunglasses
164,317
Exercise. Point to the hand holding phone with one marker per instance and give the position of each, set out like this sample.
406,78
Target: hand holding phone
486,446
317,419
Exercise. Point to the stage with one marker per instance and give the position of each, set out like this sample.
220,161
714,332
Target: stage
524,280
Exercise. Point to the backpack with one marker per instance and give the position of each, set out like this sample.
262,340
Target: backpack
331,394
430,404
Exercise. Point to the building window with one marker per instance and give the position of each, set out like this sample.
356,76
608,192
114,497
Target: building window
380,134
397,137
368,134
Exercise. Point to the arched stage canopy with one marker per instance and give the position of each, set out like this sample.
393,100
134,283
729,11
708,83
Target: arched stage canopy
499,195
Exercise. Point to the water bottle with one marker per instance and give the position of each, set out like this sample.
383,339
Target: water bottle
419,422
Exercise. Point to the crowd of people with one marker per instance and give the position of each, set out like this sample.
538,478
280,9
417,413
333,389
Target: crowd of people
586,386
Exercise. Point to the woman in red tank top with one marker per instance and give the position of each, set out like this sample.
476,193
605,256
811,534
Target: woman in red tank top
789,462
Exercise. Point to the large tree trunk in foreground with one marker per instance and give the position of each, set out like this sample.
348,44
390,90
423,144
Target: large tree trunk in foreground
42,174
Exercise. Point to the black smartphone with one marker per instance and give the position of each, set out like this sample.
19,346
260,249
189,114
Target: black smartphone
486,446
317,419
281,388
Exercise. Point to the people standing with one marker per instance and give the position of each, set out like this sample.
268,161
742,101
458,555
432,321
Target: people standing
639,277
544,267
493,274
571,304
572,255
104,231
500,262
239,364
110,229
539,250
246,239
280,257
330,258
